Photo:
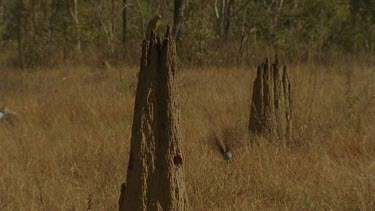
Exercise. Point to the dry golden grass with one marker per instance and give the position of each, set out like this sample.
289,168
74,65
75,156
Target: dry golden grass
69,148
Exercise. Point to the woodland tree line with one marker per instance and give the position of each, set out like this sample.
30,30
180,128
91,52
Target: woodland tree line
50,32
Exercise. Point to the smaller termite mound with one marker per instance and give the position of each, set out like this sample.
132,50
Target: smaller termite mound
271,106
155,174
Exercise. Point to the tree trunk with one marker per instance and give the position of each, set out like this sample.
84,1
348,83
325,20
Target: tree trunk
228,17
124,21
220,17
20,33
32,14
2,12
45,9
155,175
76,20
113,18
65,17
178,15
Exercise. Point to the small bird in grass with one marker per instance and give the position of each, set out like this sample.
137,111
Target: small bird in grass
228,155
7,115
222,147
4,111
153,25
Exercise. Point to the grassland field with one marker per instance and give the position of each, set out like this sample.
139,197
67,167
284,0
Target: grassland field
69,148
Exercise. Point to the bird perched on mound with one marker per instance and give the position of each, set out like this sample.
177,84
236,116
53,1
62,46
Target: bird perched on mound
153,25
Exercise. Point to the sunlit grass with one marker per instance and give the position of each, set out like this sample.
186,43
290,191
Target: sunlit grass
69,147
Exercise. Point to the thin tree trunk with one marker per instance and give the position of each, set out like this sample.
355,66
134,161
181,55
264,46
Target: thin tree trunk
124,21
220,17
113,18
76,17
32,13
244,38
2,11
373,40
179,9
51,29
228,17
143,17
65,9
20,33
45,8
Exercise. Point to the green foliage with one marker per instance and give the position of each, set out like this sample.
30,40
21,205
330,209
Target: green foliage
50,32
198,32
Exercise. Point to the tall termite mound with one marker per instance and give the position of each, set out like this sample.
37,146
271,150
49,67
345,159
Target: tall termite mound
155,175
271,106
